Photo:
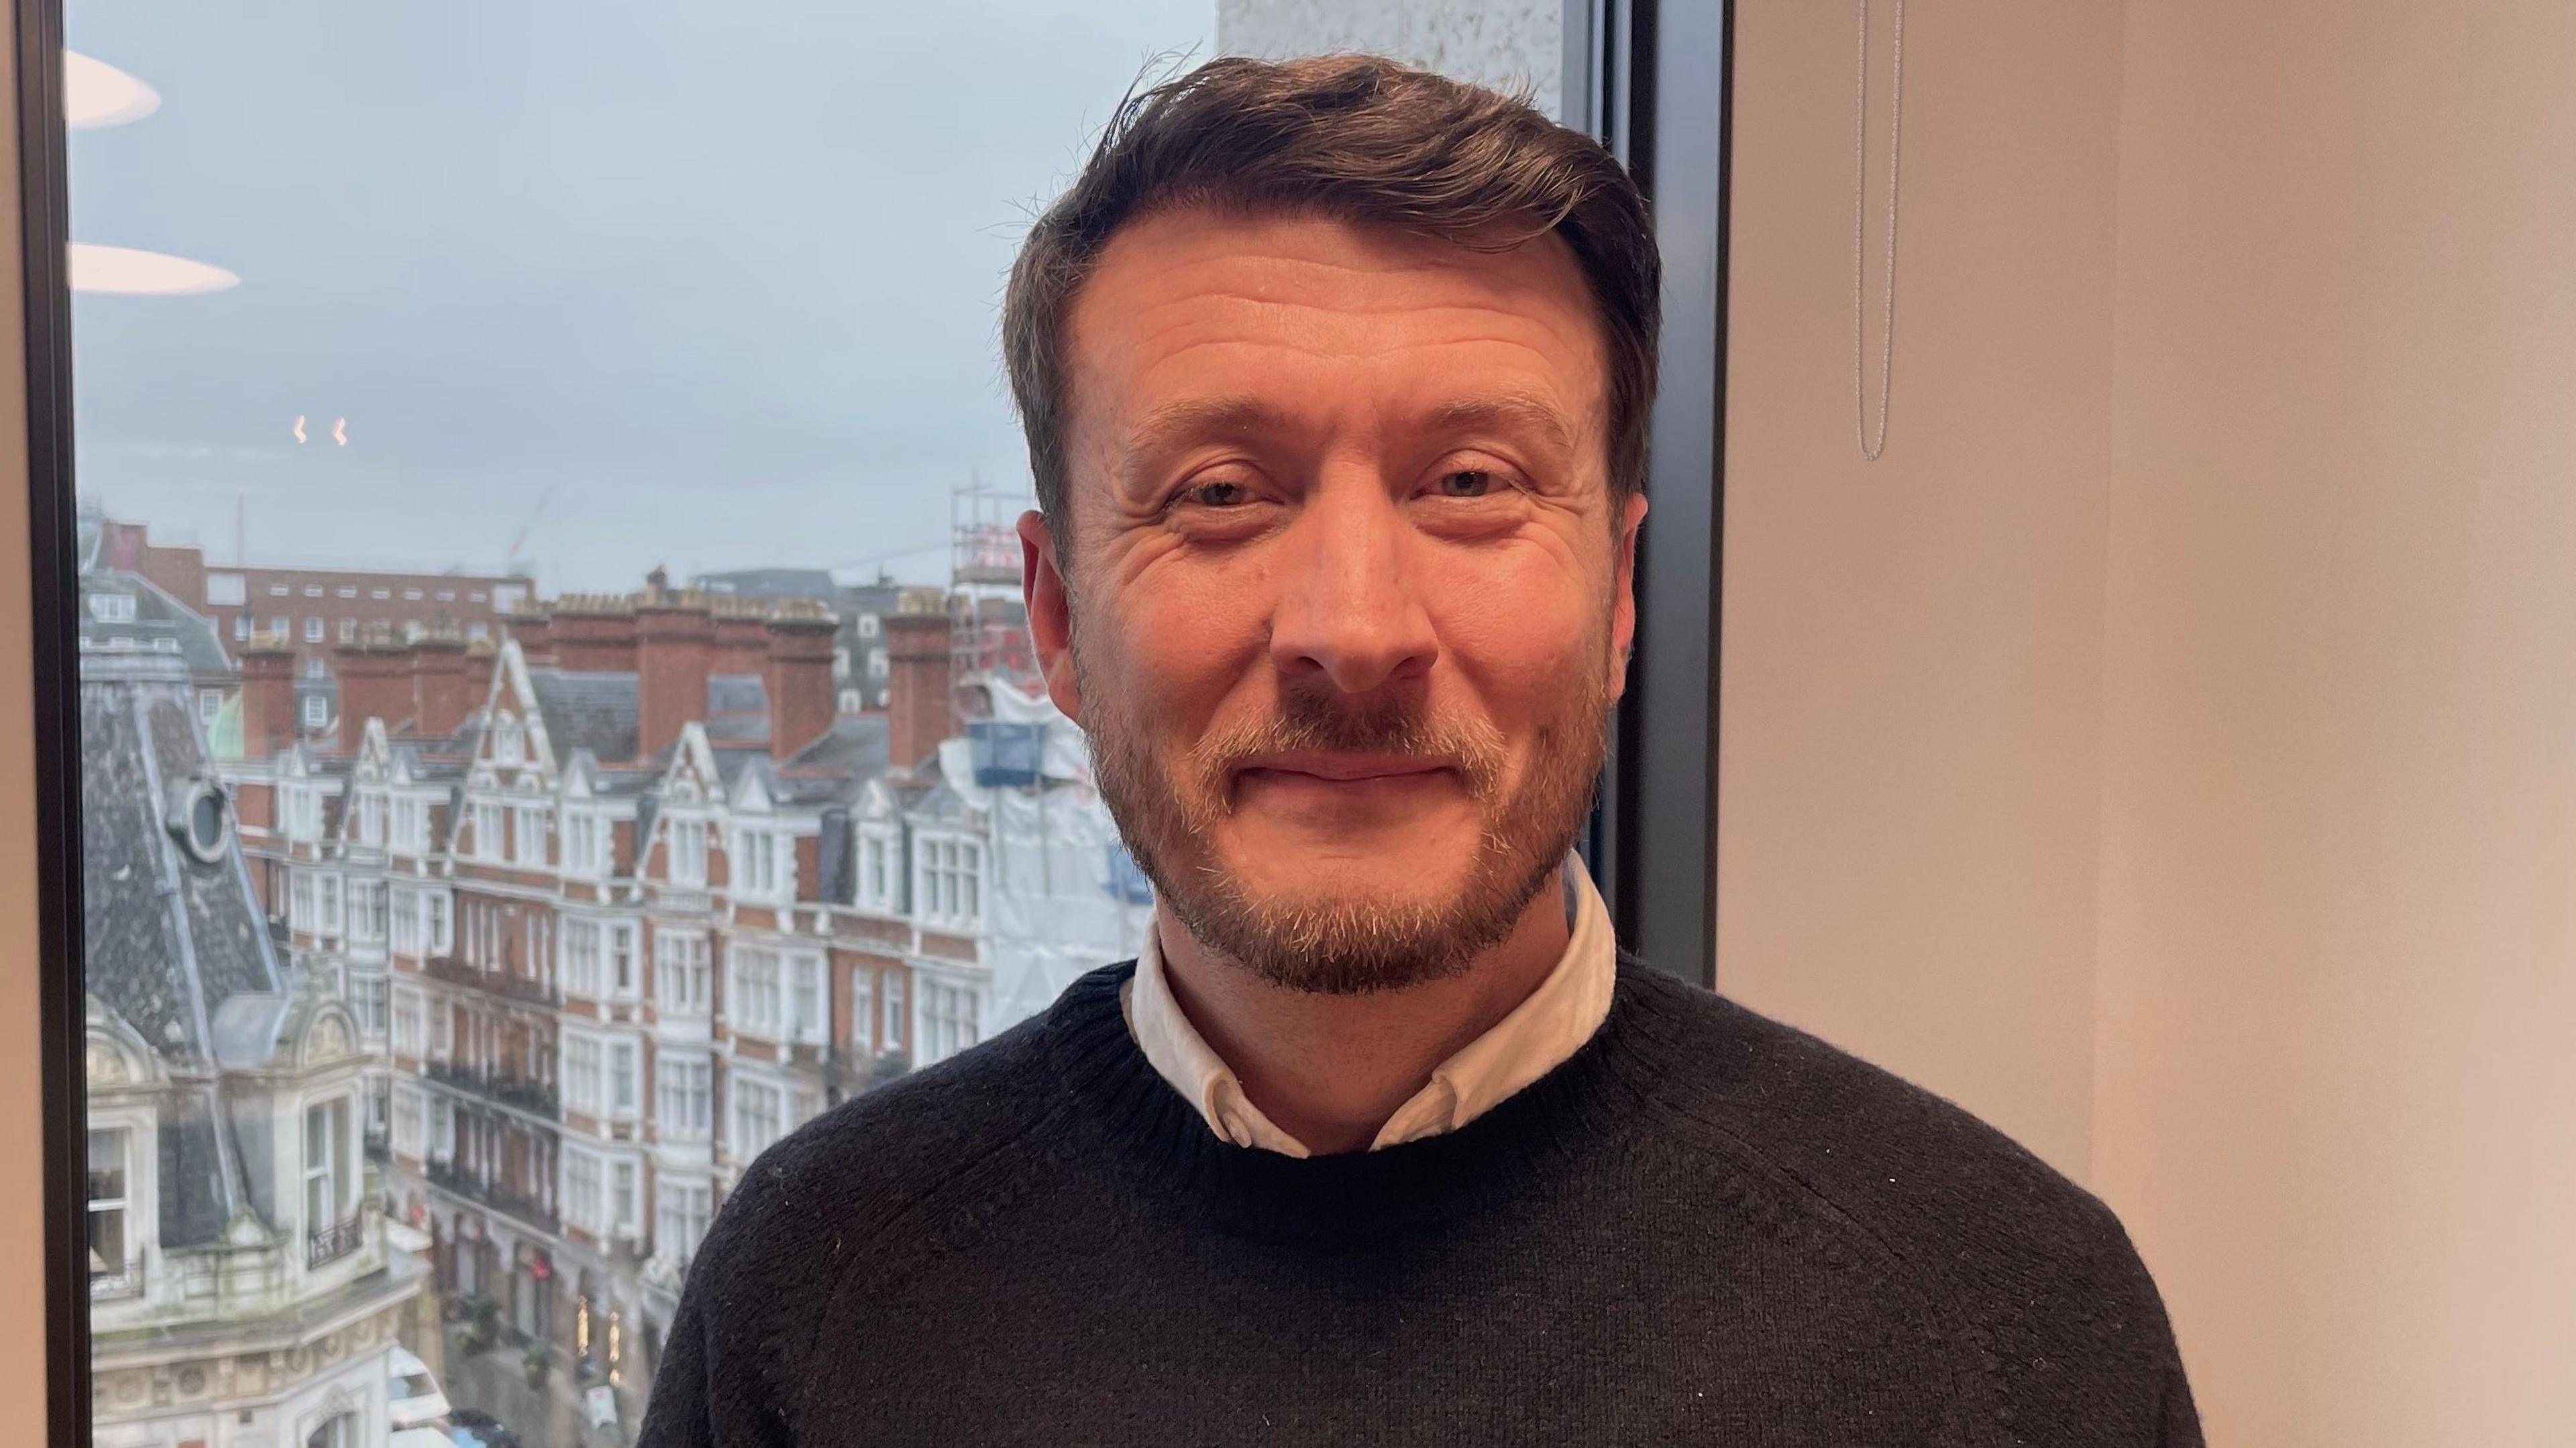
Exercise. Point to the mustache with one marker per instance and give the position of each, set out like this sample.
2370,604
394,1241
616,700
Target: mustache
1326,721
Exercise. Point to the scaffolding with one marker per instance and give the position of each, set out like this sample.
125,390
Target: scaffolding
988,634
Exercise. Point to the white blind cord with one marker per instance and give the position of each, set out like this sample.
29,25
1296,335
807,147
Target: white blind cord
1873,445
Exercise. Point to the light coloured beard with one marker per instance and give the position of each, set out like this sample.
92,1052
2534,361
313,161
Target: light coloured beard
1340,945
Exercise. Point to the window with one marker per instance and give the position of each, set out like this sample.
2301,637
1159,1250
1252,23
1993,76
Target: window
581,1074
683,1095
407,1023
585,844
805,999
456,1015
112,607
895,1019
407,1113
621,1078
528,842
764,863
581,958
111,1246
581,1189
367,911
759,1117
679,973
951,1020
682,1221
876,876
751,992
411,826
330,1189
621,1198
948,889
688,864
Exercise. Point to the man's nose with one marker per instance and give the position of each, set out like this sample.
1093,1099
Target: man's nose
1347,609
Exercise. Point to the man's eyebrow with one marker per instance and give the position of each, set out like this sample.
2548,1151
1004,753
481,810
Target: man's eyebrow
1516,412
1190,418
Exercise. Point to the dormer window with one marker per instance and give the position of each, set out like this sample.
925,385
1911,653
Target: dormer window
111,1244
112,607
763,867
509,743
202,819
330,1187
688,865
371,818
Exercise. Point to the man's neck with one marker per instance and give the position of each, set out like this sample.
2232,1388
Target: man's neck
1330,1069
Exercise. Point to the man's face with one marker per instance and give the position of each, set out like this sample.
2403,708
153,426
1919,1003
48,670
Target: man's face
1348,597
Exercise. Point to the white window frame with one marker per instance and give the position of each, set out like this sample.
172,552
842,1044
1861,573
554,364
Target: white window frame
528,834
687,851
680,972
683,1095
755,990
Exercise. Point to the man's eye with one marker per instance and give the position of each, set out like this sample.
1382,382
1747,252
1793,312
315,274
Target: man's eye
1216,494
1468,483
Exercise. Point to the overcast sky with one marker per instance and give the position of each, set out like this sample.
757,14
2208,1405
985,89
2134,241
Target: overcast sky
716,282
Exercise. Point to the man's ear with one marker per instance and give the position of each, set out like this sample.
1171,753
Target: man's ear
1623,583
1050,612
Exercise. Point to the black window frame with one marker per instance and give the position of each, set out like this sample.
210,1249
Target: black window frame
1654,81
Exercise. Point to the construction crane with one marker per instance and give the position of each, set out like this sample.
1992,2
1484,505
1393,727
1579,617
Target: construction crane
510,560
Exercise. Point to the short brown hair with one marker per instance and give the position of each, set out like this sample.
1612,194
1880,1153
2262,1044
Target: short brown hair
1358,138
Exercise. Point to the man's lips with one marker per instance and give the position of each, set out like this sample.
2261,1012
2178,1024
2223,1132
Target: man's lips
1334,768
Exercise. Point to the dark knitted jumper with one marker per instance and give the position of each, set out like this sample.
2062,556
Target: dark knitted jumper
1704,1228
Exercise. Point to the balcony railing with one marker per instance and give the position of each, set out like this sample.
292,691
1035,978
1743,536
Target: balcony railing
529,1096
503,982
123,1279
331,1243
523,1205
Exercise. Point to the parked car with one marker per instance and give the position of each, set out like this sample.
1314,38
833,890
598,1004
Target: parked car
415,1399
474,1428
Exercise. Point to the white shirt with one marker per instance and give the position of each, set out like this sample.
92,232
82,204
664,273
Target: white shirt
1539,1034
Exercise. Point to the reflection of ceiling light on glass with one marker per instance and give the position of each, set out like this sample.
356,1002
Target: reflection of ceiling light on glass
124,271
96,93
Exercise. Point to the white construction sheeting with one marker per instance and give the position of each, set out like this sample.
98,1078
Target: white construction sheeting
1062,896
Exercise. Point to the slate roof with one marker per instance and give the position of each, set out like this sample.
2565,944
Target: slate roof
593,711
167,936
161,623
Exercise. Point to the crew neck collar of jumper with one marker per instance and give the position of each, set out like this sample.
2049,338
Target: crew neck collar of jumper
1548,1025
1591,1103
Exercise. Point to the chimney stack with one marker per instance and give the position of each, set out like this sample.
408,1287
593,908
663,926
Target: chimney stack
918,704
480,659
441,697
593,634
674,643
533,627
742,636
375,683
268,695
801,634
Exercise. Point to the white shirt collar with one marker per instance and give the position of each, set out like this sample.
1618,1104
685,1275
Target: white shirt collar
1551,1024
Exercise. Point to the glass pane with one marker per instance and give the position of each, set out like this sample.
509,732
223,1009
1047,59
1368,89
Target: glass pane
512,409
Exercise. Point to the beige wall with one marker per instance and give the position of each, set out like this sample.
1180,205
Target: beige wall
1910,731
22,1277
2168,750
2335,1089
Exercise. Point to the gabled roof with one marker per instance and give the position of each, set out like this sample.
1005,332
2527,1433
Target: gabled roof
161,623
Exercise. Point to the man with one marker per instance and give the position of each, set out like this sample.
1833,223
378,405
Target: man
1335,377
